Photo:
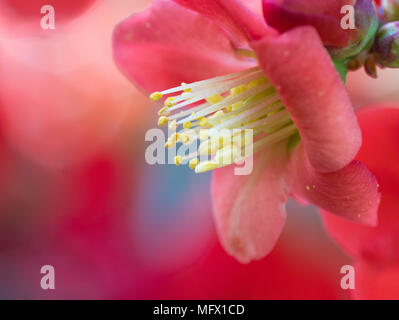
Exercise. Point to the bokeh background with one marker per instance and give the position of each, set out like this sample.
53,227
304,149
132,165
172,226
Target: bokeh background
76,192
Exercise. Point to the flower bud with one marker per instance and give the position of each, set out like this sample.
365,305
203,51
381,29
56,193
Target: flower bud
367,23
386,47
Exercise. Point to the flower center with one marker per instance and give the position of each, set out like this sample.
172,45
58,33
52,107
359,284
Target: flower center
216,112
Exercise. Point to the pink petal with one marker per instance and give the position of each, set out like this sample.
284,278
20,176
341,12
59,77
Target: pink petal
324,16
169,44
380,152
250,210
240,23
305,77
351,192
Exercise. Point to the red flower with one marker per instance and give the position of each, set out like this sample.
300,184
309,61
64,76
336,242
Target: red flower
291,85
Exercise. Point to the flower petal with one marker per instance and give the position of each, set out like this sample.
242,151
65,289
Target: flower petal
240,23
351,192
380,152
313,93
169,44
324,16
250,210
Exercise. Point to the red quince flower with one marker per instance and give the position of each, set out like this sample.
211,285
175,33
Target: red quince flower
281,85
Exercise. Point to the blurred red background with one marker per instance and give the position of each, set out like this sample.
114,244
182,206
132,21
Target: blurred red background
76,193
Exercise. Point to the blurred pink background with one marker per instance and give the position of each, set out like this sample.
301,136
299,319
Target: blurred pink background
76,192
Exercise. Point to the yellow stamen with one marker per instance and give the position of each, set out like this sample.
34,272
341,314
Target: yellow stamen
164,112
187,125
237,105
204,122
217,114
184,138
214,99
156,96
178,160
227,155
172,140
186,90
173,125
169,102
206,166
238,90
193,163
162,121
257,82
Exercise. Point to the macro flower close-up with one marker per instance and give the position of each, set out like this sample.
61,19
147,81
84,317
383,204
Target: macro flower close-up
287,90
199,149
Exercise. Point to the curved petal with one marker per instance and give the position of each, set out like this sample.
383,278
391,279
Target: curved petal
313,93
237,20
169,44
250,210
351,192
324,16
380,152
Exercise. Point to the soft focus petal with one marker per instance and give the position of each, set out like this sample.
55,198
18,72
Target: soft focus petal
380,153
250,210
65,9
373,283
324,16
62,97
303,74
169,44
351,192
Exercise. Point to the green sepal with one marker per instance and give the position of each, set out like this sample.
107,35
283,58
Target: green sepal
341,67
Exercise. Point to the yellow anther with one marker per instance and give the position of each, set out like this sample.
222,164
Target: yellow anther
162,121
214,99
164,112
257,82
184,138
209,147
205,148
187,125
204,122
169,102
227,155
169,145
229,108
193,163
237,105
238,90
172,140
206,166
186,90
173,125
174,136
178,160
156,96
